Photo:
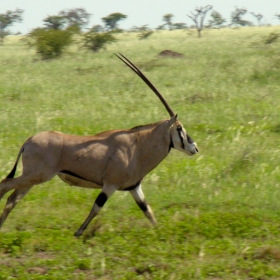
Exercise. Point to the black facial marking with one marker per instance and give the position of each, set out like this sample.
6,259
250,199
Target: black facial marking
142,205
101,199
189,139
179,129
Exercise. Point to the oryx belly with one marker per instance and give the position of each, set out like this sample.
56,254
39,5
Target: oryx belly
78,182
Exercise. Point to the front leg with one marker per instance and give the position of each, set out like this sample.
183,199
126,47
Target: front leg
139,197
101,199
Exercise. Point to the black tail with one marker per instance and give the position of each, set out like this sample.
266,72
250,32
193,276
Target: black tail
13,172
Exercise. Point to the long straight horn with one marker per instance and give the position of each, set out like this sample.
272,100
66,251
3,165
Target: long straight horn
143,77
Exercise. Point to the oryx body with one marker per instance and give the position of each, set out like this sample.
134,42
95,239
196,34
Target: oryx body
111,160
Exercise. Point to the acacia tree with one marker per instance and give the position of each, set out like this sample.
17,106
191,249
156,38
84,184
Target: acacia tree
217,19
277,16
236,17
179,25
55,22
168,20
97,28
111,21
140,28
75,18
160,27
258,17
198,17
8,19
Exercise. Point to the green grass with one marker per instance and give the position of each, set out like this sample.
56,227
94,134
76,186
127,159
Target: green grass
218,212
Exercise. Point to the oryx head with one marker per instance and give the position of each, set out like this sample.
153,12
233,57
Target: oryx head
180,140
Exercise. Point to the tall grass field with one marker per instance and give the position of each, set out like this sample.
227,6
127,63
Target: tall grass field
218,212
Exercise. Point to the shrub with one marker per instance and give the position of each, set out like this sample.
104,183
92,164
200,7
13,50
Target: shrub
145,34
95,41
49,43
271,38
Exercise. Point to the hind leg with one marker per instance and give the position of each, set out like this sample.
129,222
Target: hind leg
9,184
21,186
5,186
12,200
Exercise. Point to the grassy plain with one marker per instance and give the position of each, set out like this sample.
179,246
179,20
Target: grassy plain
218,212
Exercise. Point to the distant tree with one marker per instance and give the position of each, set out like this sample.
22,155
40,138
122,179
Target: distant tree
97,28
76,19
160,27
51,41
277,16
140,28
111,21
168,20
55,22
179,25
144,31
198,17
217,20
8,19
236,17
258,17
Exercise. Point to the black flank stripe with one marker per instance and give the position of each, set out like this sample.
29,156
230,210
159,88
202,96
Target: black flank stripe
132,187
78,176
72,174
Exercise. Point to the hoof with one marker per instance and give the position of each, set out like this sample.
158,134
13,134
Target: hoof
78,234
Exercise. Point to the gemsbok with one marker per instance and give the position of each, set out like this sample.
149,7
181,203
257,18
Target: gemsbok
111,160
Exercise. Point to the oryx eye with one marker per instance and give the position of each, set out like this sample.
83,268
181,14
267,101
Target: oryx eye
179,127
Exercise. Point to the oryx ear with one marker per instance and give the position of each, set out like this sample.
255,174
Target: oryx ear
172,120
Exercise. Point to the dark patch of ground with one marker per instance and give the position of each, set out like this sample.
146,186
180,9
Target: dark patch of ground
169,53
